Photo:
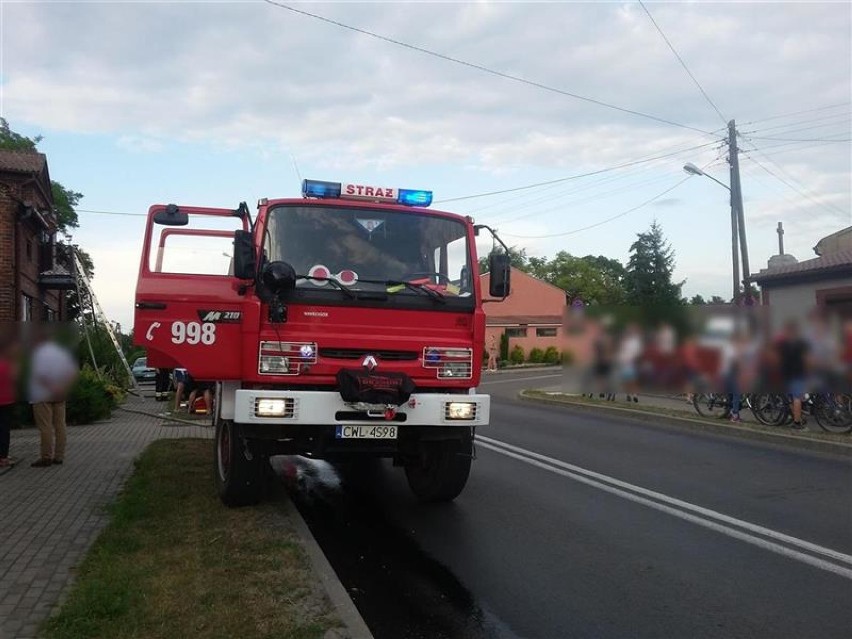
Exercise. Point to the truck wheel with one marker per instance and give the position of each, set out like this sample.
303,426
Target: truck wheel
239,480
440,474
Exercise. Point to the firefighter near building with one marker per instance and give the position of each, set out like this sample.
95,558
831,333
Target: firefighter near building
343,325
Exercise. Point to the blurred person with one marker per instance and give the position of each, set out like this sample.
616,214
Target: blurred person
162,383
824,350
629,351
691,366
8,387
793,360
602,366
183,383
846,354
52,372
492,354
666,350
206,389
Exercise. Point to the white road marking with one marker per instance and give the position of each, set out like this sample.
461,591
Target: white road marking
684,510
517,379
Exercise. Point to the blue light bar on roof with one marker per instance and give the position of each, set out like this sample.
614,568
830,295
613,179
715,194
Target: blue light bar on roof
318,188
410,197
345,191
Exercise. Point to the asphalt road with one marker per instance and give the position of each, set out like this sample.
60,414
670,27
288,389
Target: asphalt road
579,525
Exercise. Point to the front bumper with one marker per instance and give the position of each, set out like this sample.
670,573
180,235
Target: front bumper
326,408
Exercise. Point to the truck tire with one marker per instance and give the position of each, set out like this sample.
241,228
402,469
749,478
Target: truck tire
239,480
440,474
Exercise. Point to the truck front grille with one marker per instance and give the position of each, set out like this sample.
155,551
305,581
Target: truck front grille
360,353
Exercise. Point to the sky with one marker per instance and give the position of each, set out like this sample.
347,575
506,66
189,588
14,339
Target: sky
214,103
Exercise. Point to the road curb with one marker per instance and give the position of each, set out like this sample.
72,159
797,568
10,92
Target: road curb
700,425
340,599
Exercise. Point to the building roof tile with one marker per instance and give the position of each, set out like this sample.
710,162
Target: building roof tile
838,261
22,161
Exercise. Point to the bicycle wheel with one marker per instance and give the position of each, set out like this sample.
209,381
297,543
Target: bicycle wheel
833,412
770,409
710,404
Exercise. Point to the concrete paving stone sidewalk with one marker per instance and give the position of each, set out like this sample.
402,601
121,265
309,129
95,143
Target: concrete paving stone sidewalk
49,517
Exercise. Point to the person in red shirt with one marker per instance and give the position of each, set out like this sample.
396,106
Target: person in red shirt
8,374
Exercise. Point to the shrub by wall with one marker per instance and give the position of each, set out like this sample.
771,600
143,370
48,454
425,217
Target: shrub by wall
551,355
517,355
536,356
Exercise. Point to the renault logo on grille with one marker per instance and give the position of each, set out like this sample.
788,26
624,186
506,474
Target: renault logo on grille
369,363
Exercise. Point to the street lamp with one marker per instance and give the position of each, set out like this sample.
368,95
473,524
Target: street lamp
691,169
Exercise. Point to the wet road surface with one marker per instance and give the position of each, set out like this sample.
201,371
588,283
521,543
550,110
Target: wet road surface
578,525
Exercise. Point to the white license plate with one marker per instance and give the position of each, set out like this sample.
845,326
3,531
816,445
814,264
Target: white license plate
365,432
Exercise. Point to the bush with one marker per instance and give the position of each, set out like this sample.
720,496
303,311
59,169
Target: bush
504,347
567,358
517,355
536,356
90,399
551,355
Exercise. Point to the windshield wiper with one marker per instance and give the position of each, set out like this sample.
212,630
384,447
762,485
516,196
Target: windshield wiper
350,294
431,292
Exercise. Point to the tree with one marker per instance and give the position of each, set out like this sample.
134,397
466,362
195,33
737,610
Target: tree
652,297
64,200
717,300
595,280
649,271
697,300
517,258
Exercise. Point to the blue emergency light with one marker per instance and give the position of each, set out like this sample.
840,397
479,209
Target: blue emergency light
318,188
343,191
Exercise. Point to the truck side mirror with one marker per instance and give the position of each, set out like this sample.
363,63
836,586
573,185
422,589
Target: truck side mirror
171,216
244,262
499,269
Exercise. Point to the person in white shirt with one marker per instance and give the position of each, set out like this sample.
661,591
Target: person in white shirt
52,372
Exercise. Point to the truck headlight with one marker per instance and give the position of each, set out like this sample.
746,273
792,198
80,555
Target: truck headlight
460,411
282,407
450,362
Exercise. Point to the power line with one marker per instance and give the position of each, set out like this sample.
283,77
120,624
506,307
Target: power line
479,67
573,177
787,115
790,127
683,64
111,213
790,185
758,137
602,222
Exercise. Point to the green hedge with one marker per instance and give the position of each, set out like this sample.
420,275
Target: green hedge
536,356
551,355
91,399
517,355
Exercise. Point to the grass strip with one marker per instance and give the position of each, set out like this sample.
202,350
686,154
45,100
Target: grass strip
173,562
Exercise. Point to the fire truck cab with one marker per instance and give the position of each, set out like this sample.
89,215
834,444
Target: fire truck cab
344,324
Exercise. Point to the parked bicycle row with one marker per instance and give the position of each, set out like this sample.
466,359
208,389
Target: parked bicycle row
832,411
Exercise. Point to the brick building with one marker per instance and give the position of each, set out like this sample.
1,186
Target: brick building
30,279
531,317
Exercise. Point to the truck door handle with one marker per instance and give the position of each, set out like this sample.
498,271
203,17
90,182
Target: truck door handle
151,305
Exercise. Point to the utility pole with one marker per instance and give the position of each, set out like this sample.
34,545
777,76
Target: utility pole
737,214
735,258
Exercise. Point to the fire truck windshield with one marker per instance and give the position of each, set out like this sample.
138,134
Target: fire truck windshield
365,249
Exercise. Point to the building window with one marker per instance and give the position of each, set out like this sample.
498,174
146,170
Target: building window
49,314
516,332
545,332
26,308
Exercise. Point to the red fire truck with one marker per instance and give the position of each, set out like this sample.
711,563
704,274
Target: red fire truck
345,324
